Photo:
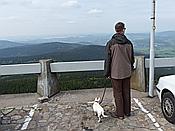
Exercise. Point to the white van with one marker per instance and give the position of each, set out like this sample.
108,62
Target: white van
166,93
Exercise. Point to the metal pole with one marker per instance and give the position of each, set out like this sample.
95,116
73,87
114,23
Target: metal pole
152,52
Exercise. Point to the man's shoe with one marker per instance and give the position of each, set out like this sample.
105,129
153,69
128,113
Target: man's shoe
128,115
113,114
121,117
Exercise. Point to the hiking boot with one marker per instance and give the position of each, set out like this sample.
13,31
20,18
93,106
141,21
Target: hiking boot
113,114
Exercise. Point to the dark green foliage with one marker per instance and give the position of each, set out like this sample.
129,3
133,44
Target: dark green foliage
18,84
68,81
83,80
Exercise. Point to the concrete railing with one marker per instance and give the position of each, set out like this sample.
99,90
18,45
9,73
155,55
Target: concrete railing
161,62
35,68
46,70
77,66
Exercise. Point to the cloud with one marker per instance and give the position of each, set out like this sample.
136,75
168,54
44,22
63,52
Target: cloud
95,11
34,3
29,3
70,4
4,2
71,22
15,3
8,18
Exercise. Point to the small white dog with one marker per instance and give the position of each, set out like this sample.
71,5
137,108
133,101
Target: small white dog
98,109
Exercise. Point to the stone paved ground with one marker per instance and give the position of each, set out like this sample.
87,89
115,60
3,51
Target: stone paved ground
69,111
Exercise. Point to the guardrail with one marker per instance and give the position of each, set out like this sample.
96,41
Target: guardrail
77,66
162,62
35,68
17,69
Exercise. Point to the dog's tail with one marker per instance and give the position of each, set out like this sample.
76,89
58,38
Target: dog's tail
104,115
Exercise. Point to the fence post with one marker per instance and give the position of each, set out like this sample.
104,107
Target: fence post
138,75
47,84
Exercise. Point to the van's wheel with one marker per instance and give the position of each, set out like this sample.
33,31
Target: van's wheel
168,107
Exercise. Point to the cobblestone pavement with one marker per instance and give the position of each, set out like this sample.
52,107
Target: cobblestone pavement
69,111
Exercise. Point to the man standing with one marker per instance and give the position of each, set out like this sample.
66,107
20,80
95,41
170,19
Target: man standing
118,66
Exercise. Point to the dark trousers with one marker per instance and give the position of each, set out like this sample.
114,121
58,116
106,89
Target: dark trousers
122,96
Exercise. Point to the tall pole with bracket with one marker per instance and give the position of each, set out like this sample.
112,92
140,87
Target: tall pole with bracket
152,53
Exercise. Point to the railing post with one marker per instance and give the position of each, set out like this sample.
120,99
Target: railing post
47,82
138,75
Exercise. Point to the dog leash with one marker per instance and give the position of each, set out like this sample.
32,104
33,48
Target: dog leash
104,91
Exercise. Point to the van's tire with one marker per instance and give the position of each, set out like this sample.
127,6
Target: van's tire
168,107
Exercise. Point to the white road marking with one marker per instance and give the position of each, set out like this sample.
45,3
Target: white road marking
29,117
151,117
160,129
156,124
140,105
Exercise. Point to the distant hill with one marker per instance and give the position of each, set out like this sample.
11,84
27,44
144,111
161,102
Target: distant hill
8,44
100,39
166,34
92,39
138,39
37,49
56,50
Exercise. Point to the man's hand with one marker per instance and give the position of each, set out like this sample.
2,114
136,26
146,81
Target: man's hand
108,77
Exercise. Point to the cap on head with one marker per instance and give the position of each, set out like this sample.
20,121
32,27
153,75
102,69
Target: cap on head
119,26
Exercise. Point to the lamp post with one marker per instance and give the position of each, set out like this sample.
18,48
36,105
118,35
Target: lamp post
152,53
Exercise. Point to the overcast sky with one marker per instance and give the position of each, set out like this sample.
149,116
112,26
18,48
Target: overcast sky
61,17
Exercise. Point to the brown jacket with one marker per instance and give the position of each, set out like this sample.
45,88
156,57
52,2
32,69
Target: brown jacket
119,57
